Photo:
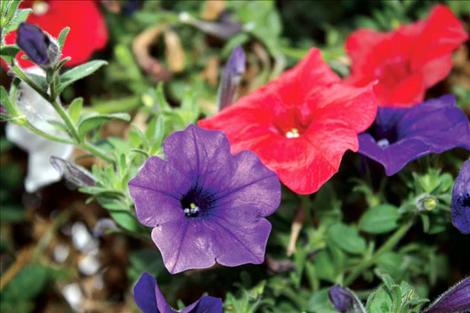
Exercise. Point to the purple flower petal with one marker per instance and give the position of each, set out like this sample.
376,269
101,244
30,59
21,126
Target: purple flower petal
206,304
461,200
400,136
454,300
150,299
148,296
205,204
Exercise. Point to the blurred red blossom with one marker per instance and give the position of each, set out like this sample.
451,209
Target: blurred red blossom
407,61
88,30
300,124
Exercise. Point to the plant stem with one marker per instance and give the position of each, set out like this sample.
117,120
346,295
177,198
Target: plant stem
66,118
387,246
50,137
96,151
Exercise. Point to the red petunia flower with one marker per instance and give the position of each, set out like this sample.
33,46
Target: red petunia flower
88,31
406,61
301,124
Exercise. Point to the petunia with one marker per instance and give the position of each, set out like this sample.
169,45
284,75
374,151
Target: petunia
401,135
300,124
38,112
407,61
150,299
88,30
454,300
205,205
461,200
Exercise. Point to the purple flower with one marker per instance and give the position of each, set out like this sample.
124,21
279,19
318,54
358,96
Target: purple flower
400,136
206,205
150,299
454,300
461,200
231,77
344,300
37,45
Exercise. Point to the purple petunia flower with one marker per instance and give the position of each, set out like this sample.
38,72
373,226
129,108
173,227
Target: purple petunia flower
400,136
206,205
454,300
150,299
461,200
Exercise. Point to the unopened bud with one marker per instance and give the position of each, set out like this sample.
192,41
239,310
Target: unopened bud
39,46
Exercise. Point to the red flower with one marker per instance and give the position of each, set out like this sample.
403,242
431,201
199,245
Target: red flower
301,124
88,31
406,61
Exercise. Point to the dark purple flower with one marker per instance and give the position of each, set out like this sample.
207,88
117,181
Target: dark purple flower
461,200
344,300
206,205
150,299
37,45
231,77
400,136
454,300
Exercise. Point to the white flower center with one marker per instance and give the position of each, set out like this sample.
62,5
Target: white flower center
193,209
40,7
383,143
293,133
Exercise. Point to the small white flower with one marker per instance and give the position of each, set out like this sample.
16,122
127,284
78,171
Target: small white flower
38,112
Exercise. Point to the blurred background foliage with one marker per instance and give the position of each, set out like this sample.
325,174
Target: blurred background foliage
165,59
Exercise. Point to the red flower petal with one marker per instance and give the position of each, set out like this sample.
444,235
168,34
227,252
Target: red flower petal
301,124
88,30
401,58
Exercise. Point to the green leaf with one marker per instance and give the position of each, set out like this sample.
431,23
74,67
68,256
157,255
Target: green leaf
18,18
9,106
9,52
379,219
379,302
92,122
319,302
27,284
126,220
324,266
347,238
79,72
75,109
63,36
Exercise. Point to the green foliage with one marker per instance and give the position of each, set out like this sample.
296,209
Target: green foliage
379,219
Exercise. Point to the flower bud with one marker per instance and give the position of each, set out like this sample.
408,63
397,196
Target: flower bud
231,77
39,46
341,298
74,174
344,300
426,203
